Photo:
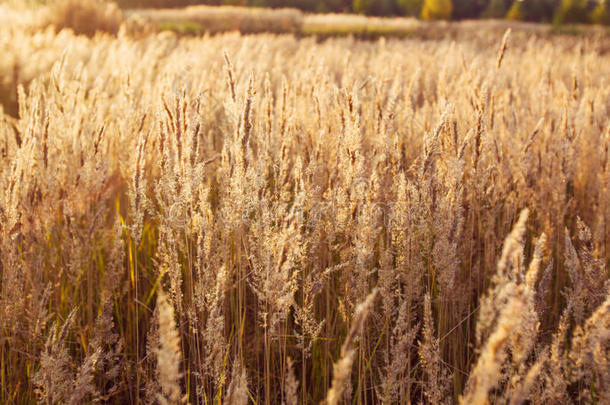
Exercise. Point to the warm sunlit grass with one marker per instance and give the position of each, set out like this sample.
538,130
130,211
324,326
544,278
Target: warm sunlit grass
271,219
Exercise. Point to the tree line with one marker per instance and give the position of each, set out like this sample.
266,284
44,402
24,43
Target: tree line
555,11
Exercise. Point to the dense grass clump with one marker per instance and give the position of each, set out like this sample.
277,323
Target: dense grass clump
266,219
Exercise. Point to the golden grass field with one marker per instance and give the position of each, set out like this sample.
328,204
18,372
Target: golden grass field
271,219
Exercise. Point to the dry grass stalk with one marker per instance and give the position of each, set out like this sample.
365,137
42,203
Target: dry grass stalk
503,47
168,354
436,385
238,388
342,369
291,385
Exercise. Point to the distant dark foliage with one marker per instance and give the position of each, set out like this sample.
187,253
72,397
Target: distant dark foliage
557,11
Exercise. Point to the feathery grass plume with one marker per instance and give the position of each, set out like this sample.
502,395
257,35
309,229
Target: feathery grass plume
304,315
436,387
137,193
531,276
387,283
543,288
52,381
511,304
447,231
587,275
213,332
397,381
409,260
284,110
523,389
149,365
342,369
106,348
364,239
106,341
238,388
511,259
246,118
488,371
230,76
291,385
556,377
589,354
275,274
522,343
503,48
168,353
56,382
602,220
84,388
593,269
